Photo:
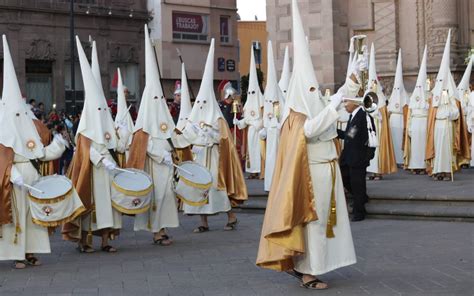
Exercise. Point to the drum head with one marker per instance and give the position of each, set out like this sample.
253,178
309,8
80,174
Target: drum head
137,181
52,187
200,174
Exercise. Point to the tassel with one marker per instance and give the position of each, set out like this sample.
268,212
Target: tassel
94,217
329,231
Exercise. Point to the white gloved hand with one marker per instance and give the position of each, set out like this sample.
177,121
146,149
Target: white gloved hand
336,100
122,124
359,66
167,159
196,149
262,134
235,121
18,181
58,138
195,127
109,165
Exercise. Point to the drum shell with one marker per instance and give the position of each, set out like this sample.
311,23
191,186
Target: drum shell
191,193
131,202
57,210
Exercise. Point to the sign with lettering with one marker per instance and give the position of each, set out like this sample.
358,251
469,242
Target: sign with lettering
189,23
230,65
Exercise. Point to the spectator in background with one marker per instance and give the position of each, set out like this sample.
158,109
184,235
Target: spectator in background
40,111
175,106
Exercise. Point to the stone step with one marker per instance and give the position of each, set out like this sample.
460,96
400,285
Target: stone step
398,208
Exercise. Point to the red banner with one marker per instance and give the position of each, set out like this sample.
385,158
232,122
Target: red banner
189,23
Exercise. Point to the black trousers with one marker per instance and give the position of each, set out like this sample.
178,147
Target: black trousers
354,181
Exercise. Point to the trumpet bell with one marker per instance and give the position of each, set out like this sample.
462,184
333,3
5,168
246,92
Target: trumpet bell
370,102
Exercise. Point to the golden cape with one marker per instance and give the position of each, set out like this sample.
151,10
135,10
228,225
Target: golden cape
137,155
6,163
461,140
291,203
387,162
80,173
230,176
406,141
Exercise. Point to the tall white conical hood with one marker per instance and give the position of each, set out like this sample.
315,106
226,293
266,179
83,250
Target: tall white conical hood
285,73
122,110
96,68
444,79
273,92
96,120
154,116
399,97
206,109
17,128
303,95
186,106
254,95
463,87
374,79
419,99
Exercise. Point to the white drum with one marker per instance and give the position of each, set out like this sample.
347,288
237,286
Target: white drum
132,192
194,184
58,203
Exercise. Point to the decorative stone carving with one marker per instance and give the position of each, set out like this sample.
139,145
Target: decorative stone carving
40,49
123,53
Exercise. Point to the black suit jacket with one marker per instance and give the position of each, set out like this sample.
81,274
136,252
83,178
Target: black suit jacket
356,152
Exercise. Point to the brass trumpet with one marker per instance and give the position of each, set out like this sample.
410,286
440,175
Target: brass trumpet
368,102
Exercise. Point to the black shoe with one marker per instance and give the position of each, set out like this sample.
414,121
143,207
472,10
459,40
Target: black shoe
357,218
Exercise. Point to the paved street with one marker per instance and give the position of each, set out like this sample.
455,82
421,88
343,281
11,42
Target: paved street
394,258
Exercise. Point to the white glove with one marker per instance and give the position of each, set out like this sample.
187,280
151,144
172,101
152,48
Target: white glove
18,181
235,121
167,159
358,66
195,127
196,150
262,134
336,100
58,138
110,166
122,124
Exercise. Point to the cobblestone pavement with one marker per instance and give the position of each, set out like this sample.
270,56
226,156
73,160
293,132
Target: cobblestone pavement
394,258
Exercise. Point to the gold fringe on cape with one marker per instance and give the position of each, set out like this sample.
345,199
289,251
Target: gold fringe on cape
387,162
291,203
230,176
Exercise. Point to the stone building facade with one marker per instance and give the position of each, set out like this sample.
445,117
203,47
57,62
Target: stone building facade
390,24
189,25
39,39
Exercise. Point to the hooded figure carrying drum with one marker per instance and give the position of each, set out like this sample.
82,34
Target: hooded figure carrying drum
214,149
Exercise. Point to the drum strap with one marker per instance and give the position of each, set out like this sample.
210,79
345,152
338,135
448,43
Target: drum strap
37,165
176,158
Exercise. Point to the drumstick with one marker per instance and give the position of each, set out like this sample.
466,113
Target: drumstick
184,170
126,171
33,188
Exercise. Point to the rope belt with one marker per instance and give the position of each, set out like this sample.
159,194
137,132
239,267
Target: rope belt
332,217
419,115
21,161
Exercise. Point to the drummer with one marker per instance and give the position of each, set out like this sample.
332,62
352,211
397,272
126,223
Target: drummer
212,143
153,144
21,149
92,166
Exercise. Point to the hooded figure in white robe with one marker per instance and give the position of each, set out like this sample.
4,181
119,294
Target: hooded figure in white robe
270,132
464,91
414,152
384,160
208,132
155,136
123,119
470,124
186,106
396,108
20,144
252,120
292,236
446,151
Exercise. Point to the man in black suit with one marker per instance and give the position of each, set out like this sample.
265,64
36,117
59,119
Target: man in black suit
355,157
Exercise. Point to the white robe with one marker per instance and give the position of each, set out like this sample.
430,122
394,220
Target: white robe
164,211
253,164
396,127
374,162
325,254
207,148
470,126
105,216
444,138
272,140
32,238
417,132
